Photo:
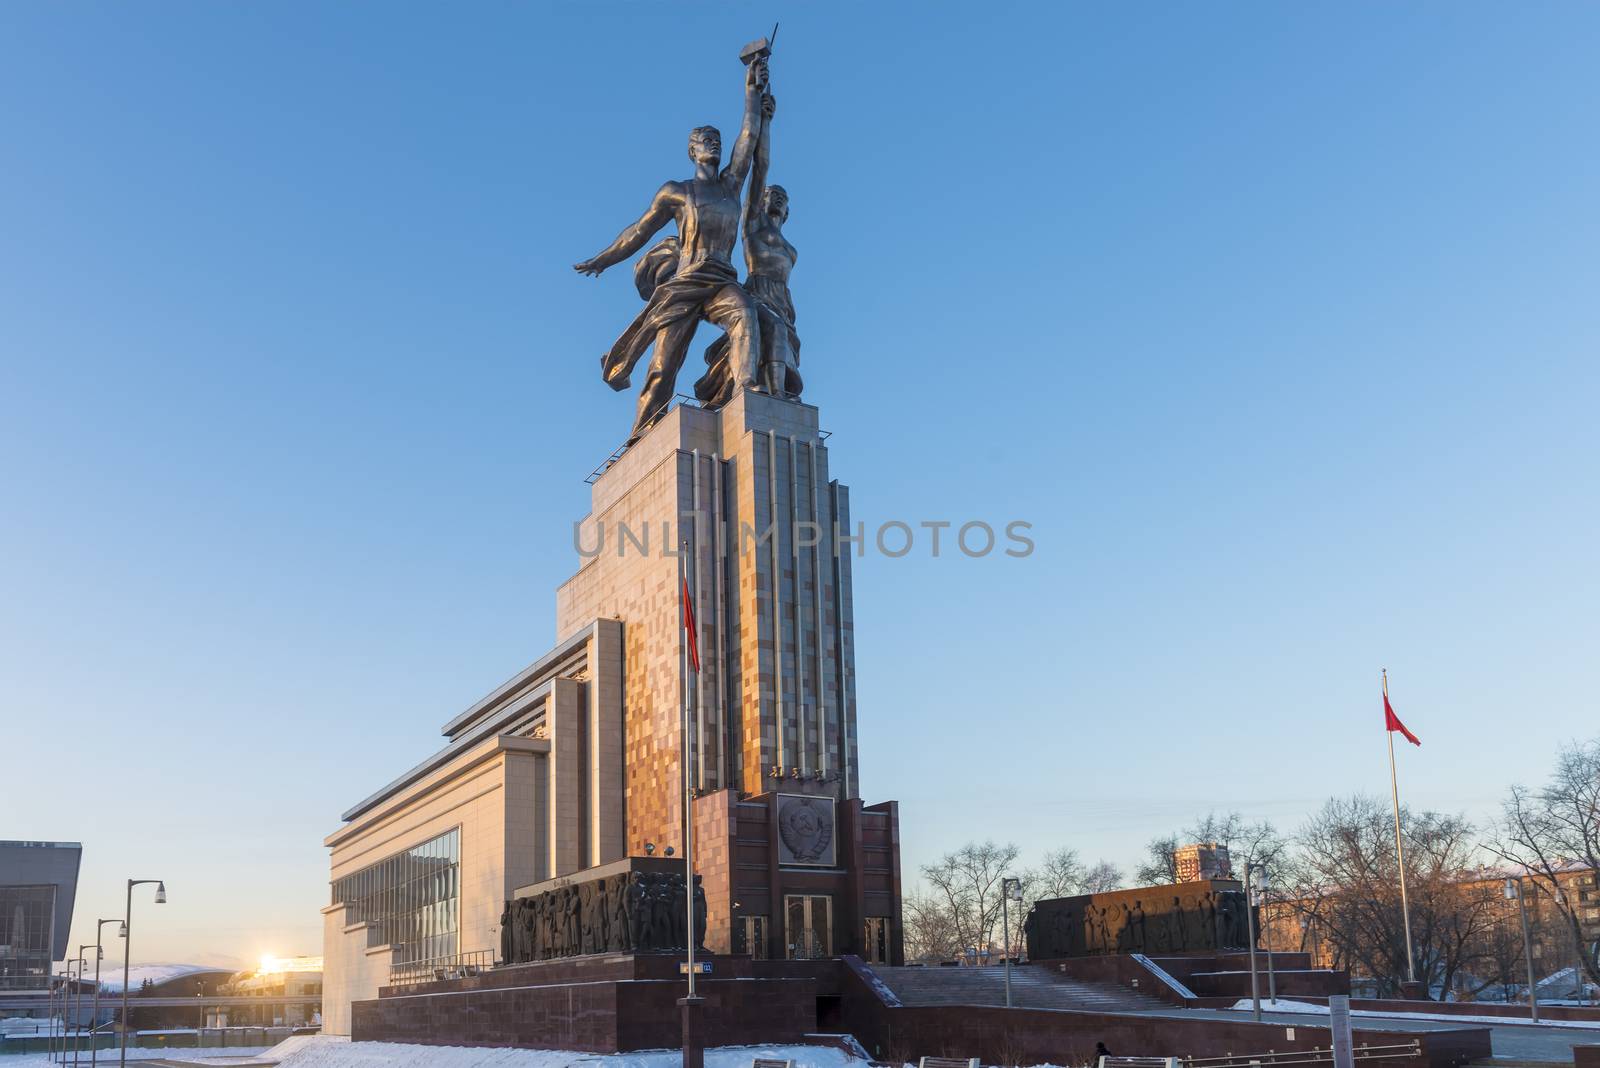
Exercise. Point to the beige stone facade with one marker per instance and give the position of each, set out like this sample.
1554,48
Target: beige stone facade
530,782
774,703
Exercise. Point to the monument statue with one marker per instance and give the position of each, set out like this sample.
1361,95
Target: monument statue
703,283
768,259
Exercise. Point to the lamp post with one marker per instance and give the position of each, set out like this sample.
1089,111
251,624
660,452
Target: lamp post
1010,890
94,1011
1250,927
1514,891
66,1014
127,922
58,993
1263,885
77,1002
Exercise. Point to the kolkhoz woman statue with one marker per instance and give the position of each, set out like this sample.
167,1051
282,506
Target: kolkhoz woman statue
768,259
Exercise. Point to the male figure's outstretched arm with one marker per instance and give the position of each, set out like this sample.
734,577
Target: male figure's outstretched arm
633,238
755,85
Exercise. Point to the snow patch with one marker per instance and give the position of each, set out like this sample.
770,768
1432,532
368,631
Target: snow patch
1312,1009
329,1051
111,978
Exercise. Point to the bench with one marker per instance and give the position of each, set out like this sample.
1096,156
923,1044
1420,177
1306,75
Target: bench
948,1062
769,1062
1138,1062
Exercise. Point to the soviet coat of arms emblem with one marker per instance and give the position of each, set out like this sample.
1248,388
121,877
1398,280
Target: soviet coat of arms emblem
805,830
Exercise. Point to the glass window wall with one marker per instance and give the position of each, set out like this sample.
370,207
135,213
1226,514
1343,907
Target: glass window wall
413,897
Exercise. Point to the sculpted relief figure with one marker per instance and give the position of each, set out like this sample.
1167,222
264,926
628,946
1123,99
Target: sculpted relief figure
638,912
768,259
621,932
660,914
704,283
699,915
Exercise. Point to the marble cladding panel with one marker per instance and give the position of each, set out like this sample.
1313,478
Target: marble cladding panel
782,691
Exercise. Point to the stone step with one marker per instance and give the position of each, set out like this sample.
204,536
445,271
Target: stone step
1030,988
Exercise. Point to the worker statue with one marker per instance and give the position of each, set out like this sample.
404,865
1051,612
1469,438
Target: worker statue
690,277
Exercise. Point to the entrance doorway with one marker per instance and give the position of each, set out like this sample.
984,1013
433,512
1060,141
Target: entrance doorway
753,934
808,925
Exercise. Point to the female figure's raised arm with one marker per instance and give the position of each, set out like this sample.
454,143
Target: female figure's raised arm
761,164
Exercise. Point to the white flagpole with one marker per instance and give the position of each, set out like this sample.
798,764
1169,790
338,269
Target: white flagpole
684,613
1399,848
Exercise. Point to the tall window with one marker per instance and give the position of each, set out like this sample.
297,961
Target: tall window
414,898
25,916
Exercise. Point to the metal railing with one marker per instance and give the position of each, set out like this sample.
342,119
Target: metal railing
1304,1056
433,969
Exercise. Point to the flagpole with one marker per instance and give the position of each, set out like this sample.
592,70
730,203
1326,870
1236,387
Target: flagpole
685,614
1399,847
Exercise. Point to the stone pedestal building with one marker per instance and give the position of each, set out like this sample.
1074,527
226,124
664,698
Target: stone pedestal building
575,764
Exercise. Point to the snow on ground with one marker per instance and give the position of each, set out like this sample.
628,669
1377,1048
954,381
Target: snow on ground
326,1051
201,1056
1313,1009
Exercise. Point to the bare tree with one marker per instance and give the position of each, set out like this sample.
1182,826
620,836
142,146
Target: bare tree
1059,874
1257,843
930,929
1553,835
1160,866
967,884
1346,876
1104,876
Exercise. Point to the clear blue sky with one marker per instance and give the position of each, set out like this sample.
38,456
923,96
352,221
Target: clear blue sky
1278,322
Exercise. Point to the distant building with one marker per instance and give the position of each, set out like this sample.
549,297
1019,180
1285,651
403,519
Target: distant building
38,884
1294,924
276,982
1201,862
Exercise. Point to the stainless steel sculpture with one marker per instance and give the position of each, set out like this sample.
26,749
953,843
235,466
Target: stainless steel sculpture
769,259
703,283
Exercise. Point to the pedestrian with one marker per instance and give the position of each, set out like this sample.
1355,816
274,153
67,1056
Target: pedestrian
1100,1052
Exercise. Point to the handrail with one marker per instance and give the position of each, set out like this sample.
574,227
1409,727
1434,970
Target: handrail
1311,1056
1166,977
434,969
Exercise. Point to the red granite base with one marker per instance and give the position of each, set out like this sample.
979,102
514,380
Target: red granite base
599,1005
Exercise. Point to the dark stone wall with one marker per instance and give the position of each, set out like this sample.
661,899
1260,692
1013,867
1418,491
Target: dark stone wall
1180,918
1586,1056
1290,983
1030,1036
606,1016
1193,917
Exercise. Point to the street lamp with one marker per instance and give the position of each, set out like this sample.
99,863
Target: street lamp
1514,892
127,922
58,993
1010,890
1263,885
77,990
77,1002
1250,927
94,1012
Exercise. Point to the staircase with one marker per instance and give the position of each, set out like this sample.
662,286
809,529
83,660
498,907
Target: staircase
1031,988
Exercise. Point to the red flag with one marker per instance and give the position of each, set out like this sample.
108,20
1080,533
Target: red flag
1392,722
694,642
